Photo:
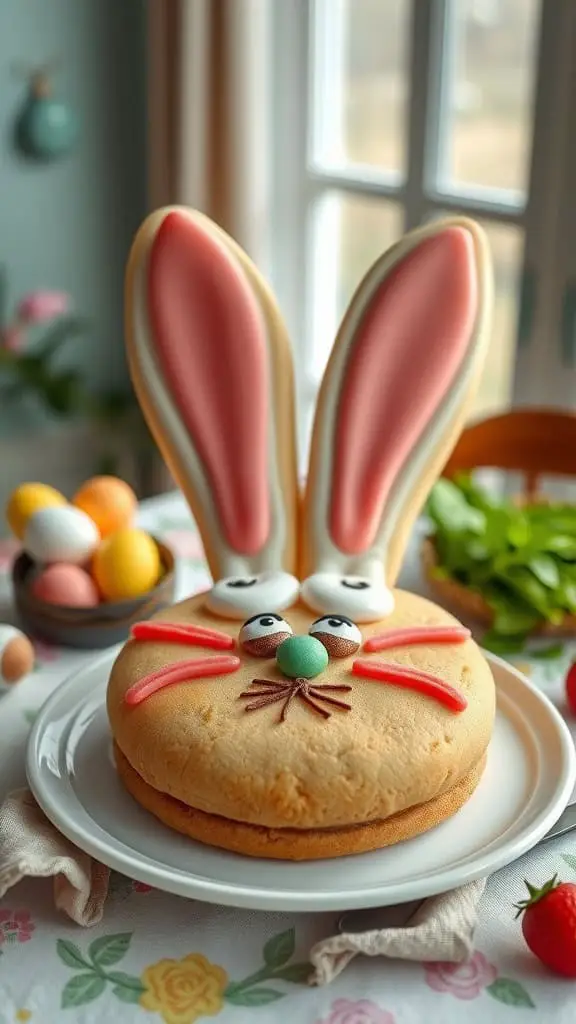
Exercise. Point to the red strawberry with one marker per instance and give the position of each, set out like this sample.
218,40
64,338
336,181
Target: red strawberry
571,688
549,925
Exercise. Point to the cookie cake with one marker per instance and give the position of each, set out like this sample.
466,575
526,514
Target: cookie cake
303,707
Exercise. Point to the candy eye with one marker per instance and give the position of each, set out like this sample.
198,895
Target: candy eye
262,634
340,636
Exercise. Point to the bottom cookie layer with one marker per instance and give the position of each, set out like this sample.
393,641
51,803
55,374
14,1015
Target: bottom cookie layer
295,844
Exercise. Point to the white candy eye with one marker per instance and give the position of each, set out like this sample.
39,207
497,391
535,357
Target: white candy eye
340,636
262,634
236,597
362,598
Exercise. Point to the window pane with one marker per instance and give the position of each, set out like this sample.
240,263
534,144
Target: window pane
349,233
360,86
489,64
494,392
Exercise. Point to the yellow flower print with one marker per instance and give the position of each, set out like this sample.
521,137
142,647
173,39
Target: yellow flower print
23,1015
184,990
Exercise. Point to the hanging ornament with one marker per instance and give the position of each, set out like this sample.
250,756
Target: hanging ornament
46,127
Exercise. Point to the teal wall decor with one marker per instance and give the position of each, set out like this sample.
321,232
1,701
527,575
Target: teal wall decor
46,126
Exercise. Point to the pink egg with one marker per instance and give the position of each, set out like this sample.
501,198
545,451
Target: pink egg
67,585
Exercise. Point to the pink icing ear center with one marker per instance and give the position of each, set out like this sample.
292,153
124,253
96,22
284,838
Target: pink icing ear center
402,363
211,348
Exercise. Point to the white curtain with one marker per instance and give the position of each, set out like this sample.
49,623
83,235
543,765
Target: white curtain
209,113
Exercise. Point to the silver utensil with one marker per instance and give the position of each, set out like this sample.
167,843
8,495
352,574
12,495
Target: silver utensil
354,921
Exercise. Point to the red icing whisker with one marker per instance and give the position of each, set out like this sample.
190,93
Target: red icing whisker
412,635
181,633
413,679
180,672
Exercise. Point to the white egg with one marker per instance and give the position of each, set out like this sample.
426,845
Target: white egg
60,533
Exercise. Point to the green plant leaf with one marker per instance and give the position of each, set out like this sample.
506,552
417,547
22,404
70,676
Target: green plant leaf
499,644
254,997
448,508
518,533
70,954
545,569
509,992
297,973
61,331
127,987
82,988
569,859
109,949
561,545
512,615
548,653
279,949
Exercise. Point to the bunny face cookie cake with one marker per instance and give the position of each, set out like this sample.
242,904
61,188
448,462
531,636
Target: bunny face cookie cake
303,708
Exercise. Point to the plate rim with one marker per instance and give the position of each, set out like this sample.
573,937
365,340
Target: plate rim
226,893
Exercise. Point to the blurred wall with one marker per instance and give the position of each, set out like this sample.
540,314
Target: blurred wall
68,225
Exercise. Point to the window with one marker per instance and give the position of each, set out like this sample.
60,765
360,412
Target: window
389,112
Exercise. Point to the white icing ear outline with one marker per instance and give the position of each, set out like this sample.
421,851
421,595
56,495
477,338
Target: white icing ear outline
269,570
359,585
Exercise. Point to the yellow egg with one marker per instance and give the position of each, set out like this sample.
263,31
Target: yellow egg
28,499
127,564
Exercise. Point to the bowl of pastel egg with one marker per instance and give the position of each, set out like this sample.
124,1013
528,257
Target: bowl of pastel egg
86,572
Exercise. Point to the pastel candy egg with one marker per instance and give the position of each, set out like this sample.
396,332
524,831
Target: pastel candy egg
127,564
26,500
60,535
16,655
65,585
110,502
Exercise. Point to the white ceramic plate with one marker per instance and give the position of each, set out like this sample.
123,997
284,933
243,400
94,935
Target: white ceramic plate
528,781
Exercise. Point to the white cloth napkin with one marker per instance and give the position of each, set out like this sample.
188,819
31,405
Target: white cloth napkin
31,847
442,928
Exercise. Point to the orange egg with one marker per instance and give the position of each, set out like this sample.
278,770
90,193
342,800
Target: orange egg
109,502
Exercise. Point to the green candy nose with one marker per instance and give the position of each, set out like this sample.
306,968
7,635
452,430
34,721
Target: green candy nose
302,657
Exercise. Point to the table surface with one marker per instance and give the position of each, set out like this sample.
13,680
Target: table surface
186,953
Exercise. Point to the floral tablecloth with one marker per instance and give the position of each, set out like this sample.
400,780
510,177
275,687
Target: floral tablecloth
157,957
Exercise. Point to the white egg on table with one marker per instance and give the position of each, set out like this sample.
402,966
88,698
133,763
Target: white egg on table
60,534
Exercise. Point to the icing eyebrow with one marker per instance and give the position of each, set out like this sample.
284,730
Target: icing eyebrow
269,615
410,636
343,618
412,679
180,672
180,633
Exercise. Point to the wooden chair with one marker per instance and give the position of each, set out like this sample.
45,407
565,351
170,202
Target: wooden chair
533,442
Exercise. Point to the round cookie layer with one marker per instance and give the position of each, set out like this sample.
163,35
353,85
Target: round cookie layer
296,844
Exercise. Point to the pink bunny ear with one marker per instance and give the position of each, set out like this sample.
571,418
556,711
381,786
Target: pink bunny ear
393,397
207,351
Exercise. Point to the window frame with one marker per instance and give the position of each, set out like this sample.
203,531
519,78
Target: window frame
299,180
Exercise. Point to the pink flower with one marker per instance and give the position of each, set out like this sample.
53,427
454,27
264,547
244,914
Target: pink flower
465,981
11,338
36,307
361,1011
184,543
15,926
